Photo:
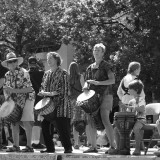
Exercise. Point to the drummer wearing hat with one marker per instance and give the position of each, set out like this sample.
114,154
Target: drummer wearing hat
18,86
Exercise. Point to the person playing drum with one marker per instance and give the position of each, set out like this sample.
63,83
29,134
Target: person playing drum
100,77
18,86
137,104
55,84
133,72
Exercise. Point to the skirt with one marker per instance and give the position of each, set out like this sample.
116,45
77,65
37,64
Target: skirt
28,111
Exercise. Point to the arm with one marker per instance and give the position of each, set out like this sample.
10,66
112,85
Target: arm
140,108
119,91
111,80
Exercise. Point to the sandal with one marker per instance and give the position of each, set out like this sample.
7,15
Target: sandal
28,149
76,147
91,150
112,151
136,153
13,149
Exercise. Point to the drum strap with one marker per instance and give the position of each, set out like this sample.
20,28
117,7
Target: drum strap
125,89
76,89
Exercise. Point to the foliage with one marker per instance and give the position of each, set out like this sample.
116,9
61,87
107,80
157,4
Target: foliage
27,24
128,28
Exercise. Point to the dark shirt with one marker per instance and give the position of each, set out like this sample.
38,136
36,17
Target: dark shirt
36,80
99,74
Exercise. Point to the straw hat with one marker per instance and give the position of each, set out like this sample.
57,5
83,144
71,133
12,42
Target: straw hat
12,56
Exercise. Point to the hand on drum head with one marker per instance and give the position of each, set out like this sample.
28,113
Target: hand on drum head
42,93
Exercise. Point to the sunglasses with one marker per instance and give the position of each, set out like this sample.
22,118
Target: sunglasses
13,61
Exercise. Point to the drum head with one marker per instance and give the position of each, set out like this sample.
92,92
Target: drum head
7,108
85,95
42,103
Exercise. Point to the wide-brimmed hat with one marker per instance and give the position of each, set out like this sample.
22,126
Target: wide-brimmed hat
12,56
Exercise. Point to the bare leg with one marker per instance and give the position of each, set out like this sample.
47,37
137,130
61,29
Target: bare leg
117,137
15,133
36,132
75,136
138,137
105,111
88,134
92,132
28,125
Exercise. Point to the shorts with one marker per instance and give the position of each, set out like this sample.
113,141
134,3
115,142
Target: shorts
138,125
28,111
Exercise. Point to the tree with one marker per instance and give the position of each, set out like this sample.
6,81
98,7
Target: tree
29,23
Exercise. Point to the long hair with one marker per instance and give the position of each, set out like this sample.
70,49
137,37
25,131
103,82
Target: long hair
74,72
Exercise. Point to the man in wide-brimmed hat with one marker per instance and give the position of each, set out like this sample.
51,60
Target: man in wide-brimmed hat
18,86
11,58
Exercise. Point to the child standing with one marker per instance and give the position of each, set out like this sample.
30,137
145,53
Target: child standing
137,104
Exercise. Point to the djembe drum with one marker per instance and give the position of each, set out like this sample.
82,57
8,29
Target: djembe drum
46,108
10,112
124,121
89,102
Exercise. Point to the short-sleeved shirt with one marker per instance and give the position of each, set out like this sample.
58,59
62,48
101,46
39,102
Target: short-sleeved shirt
99,74
18,80
139,102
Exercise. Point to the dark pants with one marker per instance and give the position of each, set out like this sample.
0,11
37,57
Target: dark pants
64,130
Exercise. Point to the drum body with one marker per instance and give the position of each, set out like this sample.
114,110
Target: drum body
124,121
89,105
96,118
46,108
10,112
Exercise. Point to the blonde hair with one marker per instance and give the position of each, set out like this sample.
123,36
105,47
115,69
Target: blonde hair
100,45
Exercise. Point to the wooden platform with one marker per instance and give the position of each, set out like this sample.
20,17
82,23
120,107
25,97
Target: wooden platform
76,155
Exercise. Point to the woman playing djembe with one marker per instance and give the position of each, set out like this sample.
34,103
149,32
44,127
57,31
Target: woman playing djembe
99,77
55,84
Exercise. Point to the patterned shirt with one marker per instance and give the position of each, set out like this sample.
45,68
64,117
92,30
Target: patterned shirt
17,80
58,81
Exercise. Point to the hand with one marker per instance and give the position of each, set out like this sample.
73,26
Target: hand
93,82
84,89
42,93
